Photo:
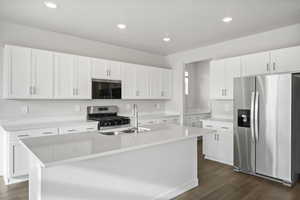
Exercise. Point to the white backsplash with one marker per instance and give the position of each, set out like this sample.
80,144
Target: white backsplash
222,109
30,109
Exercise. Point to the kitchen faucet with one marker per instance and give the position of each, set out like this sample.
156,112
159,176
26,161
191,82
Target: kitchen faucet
136,117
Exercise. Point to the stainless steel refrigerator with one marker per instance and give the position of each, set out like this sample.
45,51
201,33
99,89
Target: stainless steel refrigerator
263,126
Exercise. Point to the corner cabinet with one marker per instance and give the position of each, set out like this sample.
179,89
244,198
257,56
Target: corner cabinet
144,82
72,77
222,73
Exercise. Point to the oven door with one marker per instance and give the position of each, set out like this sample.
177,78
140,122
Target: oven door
106,89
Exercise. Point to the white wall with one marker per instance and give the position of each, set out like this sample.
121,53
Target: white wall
36,38
278,38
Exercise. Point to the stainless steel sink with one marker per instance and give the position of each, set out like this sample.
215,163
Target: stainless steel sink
126,131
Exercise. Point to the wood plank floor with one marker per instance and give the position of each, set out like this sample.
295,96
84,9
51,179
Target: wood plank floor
217,182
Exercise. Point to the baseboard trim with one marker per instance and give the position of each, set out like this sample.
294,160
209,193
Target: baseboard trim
177,190
226,163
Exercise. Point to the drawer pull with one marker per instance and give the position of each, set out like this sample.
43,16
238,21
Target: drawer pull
90,128
210,126
24,135
224,127
71,130
47,133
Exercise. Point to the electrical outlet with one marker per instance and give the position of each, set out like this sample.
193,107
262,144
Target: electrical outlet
25,109
157,106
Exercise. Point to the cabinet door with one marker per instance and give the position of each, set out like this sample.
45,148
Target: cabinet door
83,78
142,82
225,152
100,68
232,70
216,79
114,70
17,71
64,76
210,146
155,83
128,81
19,160
42,74
254,64
166,84
286,60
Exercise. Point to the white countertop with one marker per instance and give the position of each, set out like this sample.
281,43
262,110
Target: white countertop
156,116
57,124
57,150
219,119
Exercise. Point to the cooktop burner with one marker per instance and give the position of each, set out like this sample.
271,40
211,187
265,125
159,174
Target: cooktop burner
106,116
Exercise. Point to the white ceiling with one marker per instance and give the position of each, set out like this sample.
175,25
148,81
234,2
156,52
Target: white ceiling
189,23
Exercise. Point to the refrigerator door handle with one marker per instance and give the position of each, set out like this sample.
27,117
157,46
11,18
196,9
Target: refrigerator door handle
252,116
256,108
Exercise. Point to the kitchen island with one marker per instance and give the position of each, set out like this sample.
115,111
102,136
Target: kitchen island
159,164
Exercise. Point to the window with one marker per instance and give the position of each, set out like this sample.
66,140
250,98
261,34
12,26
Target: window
186,83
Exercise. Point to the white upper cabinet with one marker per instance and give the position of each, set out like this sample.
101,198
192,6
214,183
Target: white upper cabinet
128,81
222,73
99,68
42,74
105,69
28,73
166,83
155,83
216,79
142,82
286,60
258,63
38,74
114,70
72,77
232,70
64,76
83,79
17,72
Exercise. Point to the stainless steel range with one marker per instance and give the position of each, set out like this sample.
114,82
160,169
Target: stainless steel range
107,116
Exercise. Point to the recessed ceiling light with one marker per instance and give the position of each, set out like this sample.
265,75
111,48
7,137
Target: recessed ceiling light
121,26
166,39
50,4
227,19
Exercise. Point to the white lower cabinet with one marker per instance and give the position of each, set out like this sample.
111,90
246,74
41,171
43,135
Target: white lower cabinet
218,146
18,160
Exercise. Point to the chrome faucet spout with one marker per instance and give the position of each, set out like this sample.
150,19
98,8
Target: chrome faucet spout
136,117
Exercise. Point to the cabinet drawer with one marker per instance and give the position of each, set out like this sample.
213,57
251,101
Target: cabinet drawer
77,129
45,132
15,136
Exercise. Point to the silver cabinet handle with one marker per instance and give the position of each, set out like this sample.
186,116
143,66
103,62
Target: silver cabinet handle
137,93
90,128
77,91
208,126
274,66
73,91
24,135
47,133
223,127
256,110
30,90
71,130
162,93
268,67
225,92
252,116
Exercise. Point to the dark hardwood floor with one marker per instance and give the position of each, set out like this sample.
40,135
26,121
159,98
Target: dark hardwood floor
216,182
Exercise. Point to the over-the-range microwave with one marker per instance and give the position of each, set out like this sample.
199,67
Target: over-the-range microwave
106,89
